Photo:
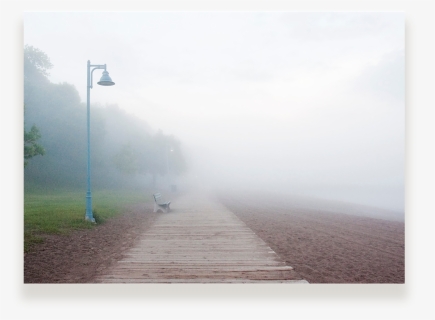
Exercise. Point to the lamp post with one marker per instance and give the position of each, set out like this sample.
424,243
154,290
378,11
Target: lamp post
168,149
104,81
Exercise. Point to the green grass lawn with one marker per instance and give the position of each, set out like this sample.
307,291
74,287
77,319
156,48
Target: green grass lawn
60,212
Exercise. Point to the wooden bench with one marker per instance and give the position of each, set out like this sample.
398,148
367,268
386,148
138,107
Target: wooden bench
159,204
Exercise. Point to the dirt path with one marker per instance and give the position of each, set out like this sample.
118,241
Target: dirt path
78,257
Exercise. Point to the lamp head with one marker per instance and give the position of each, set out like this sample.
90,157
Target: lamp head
105,80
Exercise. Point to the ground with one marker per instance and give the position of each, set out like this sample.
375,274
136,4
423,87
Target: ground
321,246
325,246
78,257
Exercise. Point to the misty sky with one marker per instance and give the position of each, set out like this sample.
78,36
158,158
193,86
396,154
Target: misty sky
304,102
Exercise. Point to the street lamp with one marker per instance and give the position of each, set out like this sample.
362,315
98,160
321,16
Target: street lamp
104,81
168,149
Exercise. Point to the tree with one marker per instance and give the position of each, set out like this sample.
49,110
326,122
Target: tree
36,63
31,147
124,149
127,161
165,156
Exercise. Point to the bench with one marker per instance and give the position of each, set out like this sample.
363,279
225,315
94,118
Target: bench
159,204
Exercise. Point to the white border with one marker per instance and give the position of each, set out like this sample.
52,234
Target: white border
412,300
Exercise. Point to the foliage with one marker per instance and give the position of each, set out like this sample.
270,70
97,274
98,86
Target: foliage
31,147
127,160
36,62
124,149
167,156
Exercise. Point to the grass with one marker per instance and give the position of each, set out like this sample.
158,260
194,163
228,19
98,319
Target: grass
60,212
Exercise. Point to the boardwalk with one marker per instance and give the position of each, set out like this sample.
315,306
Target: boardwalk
199,241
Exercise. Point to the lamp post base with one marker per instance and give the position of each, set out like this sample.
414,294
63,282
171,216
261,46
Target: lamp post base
88,213
87,218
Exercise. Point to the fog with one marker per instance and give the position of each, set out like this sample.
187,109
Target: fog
298,103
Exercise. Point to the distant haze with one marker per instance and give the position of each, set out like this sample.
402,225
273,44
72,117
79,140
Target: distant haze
305,103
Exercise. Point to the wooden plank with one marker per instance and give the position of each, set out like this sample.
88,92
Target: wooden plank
203,280
200,241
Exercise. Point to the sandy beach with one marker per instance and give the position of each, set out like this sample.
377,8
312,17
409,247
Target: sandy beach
339,244
321,242
81,255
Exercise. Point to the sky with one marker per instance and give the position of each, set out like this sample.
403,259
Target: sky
309,103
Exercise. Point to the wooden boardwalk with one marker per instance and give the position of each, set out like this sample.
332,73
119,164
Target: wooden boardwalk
199,241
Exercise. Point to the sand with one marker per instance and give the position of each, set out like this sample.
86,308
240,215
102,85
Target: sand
324,246
79,256
324,242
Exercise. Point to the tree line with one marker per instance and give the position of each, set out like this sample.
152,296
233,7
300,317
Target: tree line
125,151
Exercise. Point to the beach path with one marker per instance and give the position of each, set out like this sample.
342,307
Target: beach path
199,241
